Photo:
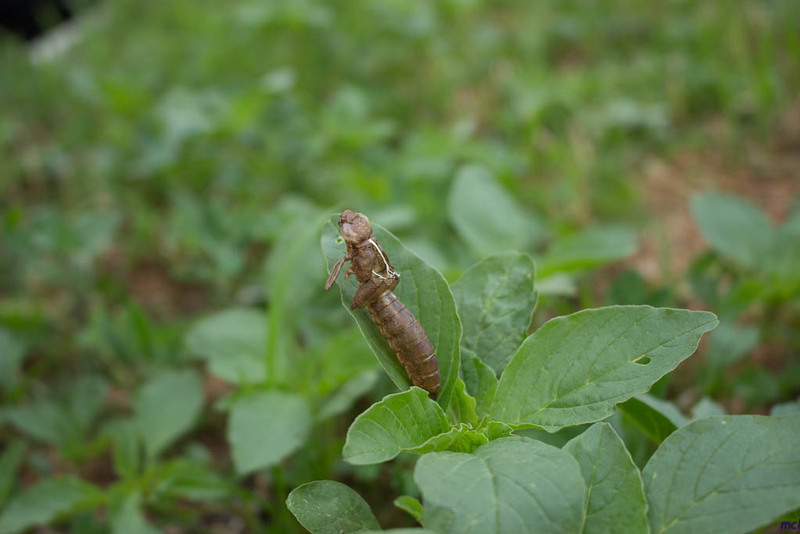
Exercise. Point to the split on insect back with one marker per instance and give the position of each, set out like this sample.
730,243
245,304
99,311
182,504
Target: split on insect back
407,313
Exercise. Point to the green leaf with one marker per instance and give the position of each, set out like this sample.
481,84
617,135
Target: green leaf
234,343
125,446
410,505
266,427
166,407
655,417
495,300
592,247
481,383
574,369
340,400
508,485
86,400
463,405
400,422
707,407
424,291
731,473
486,217
10,462
785,408
461,438
614,494
733,227
127,517
46,501
729,343
328,507
12,353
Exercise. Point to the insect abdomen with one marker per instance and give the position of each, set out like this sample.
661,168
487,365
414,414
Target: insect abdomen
408,340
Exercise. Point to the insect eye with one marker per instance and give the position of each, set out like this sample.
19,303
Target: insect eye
339,240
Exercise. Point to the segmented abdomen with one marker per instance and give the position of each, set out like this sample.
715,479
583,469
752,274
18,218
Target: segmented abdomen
408,340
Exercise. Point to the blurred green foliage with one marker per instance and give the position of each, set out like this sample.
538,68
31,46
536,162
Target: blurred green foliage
164,179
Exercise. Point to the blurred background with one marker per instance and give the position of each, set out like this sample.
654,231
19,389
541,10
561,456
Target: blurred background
166,169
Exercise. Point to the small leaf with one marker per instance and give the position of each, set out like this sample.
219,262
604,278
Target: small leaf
166,407
12,353
410,505
614,494
731,473
424,291
655,417
463,405
46,501
126,450
340,400
495,300
328,507
127,517
266,427
707,407
592,247
10,461
574,369
234,343
733,227
402,421
785,408
481,383
508,485
729,343
486,217
460,438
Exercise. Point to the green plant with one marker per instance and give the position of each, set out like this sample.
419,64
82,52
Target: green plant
474,475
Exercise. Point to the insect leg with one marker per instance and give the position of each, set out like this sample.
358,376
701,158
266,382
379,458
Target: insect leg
335,271
372,288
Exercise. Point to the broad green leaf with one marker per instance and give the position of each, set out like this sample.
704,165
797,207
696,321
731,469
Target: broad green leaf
614,493
481,383
400,422
729,343
46,501
328,507
508,485
655,417
266,427
194,479
234,343
731,473
12,353
399,531
423,290
10,461
166,407
410,505
127,517
574,369
495,300
733,227
592,247
333,361
486,217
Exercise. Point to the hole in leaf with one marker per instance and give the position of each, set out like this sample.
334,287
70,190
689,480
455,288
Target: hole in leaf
339,240
644,359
